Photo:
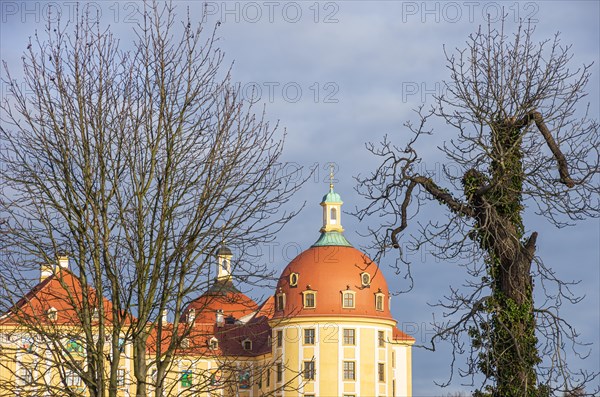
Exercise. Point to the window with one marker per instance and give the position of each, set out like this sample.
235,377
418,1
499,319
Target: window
309,370
349,337
293,279
185,343
279,338
121,345
309,336
333,216
280,301
73,346
348,299
72,378
268,377
215,378
186,378
52,314
120,377
25,376
309,300
393,387
279,372
214,343
379,301
27,343
191,315
365,279
381,338
349,370
381,372
247,344
244,380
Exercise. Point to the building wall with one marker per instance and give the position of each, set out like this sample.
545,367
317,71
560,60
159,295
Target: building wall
330,352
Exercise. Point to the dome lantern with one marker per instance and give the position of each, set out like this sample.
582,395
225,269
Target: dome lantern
224,256
332,209
332,230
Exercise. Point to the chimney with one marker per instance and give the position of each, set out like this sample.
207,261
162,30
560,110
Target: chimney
47,270
191,316
63,262
220,318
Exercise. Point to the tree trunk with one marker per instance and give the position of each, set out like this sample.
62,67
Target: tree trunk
512,345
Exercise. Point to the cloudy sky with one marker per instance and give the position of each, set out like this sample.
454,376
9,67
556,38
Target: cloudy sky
338,74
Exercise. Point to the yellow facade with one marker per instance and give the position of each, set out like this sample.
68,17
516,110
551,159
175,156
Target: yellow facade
327,331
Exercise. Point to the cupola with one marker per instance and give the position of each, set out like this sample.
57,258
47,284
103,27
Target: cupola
332,230
224,256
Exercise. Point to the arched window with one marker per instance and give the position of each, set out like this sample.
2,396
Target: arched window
379,302
333,215
247,344
213,343
279,301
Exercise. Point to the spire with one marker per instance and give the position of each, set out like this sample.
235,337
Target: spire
331,176
332,208
331,231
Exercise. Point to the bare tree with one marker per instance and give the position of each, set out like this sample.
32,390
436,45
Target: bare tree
136,163
523,143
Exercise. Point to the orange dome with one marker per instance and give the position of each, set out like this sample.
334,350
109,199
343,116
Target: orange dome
329,271
221,296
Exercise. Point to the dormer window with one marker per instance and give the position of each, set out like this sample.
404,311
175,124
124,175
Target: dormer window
348,301
279,301
365,279
247,344
294,279
191,315
309,299
379,300
185,343
52,314
213,343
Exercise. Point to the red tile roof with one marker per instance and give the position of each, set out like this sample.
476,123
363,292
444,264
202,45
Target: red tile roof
400,336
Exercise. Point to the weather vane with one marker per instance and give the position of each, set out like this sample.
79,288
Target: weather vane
331,168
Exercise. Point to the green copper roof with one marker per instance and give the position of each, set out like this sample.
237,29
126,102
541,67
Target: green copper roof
332,238
332,197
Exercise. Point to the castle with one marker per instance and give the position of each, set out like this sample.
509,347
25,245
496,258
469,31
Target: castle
326,330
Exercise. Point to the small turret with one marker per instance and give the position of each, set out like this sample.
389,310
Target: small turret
224,256
332,230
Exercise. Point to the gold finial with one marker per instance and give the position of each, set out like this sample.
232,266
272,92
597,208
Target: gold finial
331,168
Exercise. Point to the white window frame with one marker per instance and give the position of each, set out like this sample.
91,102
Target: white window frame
305,295
347,338
344,294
